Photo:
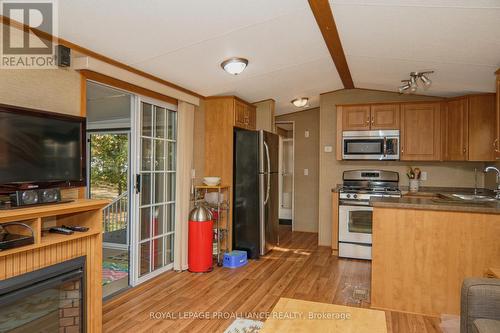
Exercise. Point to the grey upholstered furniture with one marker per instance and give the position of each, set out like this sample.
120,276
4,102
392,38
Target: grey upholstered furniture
480,304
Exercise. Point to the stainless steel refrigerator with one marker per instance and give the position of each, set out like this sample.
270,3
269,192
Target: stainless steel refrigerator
255,194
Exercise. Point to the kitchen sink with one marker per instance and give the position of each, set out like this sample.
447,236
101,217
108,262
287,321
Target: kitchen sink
474,197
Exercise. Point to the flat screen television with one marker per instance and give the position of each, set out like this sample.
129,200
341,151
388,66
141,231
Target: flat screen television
40,149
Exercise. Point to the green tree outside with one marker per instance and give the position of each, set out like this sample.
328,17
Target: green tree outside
109,161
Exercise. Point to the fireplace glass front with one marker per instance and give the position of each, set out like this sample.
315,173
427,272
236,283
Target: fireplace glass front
47,300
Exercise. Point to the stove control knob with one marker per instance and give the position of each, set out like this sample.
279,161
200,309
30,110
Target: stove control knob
355,196
348,195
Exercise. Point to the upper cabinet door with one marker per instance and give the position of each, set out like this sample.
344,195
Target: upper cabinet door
355,117
482,130
240,114
252,117
384,116
420,132
456,130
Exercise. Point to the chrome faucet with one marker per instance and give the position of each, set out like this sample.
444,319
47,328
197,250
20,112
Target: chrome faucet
492,168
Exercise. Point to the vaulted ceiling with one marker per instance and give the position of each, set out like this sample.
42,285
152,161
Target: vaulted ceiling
185,41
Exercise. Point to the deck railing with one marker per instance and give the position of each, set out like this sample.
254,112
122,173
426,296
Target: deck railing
115,215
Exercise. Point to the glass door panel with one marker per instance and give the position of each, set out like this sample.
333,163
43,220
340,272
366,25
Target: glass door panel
108,179
156,196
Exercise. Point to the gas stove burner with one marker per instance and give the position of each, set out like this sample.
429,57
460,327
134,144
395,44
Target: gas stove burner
364,184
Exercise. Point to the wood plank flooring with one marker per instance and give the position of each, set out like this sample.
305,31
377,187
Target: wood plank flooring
297,269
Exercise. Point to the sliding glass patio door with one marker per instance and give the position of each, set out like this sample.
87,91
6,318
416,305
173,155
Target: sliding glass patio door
155,184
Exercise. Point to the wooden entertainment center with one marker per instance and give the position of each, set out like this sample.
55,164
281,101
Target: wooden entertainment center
50,249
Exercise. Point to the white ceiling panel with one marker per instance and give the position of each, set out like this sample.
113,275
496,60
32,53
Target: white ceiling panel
185,41
304,80
270,46
448,80
132,30
385,40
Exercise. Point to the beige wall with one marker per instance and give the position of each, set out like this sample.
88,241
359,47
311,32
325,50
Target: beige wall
265,115
306,157
439,173
56,90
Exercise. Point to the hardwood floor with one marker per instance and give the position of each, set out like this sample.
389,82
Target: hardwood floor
297,269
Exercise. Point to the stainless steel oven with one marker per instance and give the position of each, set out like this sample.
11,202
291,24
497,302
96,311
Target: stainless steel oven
370,145
355,212
355,229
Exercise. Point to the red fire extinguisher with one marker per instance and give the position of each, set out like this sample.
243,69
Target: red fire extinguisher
200,240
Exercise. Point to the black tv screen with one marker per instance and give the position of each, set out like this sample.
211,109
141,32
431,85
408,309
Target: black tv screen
40,148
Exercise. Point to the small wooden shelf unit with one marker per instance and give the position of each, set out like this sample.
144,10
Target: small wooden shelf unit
50,249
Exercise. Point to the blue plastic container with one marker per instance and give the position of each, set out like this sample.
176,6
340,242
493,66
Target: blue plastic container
235,259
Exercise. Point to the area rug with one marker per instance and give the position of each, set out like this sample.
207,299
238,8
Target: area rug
241,325
112,271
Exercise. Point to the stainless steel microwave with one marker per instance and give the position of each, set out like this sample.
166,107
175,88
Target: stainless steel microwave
370,145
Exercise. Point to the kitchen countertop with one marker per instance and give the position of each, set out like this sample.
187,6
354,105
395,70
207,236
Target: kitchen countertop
439,199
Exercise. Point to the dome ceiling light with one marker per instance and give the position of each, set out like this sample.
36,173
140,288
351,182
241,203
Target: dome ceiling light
300,102
234,65
411,85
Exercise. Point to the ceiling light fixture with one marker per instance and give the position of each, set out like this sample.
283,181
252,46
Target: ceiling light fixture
300,102
234,65
411,85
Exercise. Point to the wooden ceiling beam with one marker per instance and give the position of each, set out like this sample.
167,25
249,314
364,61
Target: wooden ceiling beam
326,23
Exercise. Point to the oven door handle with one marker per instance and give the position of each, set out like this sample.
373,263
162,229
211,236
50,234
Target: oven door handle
354,203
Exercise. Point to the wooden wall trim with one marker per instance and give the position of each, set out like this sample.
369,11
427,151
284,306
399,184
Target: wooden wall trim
94,76
324,17
80,49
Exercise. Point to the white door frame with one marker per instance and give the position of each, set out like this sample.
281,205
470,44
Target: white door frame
135,211
293,167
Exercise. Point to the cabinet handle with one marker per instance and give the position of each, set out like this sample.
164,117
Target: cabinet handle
373,120
465,150
495,145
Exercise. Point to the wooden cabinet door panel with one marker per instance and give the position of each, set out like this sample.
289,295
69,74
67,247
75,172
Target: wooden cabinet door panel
420,132
384,116
482,130
355,117
252,118
456,130
240,112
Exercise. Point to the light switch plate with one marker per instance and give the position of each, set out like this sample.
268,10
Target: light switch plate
328,149
306,134
306,172
423,175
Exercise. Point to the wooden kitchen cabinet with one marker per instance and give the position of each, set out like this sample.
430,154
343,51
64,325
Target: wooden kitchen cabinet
456,127
468,132
369,117
421,131
355,117
222,114
244,115
384,116
482,130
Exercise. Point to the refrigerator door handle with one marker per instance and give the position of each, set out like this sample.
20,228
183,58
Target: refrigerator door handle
268,173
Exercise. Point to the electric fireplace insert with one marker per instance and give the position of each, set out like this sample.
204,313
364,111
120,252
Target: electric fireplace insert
50,299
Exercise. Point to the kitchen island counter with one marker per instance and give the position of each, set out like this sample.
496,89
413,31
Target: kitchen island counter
438,202
423,249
